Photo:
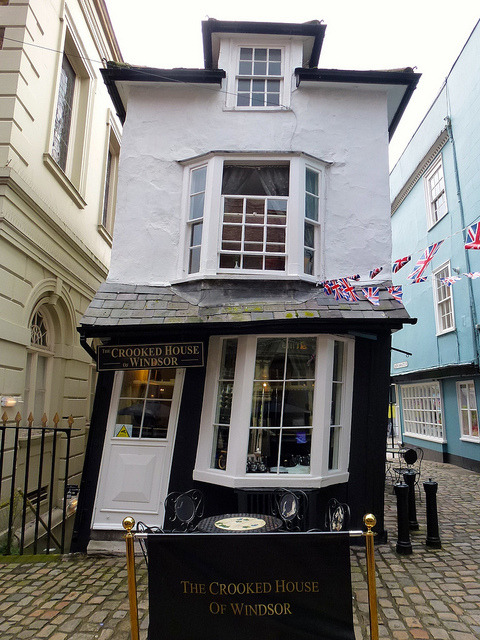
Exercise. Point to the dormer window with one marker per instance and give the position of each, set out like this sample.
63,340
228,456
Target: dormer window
259,77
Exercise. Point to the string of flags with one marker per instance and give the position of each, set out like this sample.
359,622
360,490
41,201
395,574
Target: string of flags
342,289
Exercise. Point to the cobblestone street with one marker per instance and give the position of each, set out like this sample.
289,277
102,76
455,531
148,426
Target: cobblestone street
431,594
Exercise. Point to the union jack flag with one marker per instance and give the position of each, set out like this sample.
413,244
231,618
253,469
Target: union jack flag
371,294
335,288
355,277
375,272
449,280
327,288
473,275
401,262
396,292
347,291
424,261
473,237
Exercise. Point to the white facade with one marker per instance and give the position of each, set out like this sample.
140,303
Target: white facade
55,214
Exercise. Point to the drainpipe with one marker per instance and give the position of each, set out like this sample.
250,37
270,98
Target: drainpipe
473,310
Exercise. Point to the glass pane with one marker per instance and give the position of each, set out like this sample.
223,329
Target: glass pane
230,261
311,181
338,360
335,413
298,405
254,234
301,358
334,448
63,116
308,262
260,54
309,235
232,233
134,384
229,356
263,451
275,54
244,86
258,100
129,418
267,404
243,100
260,68
198,180
246,53
465,425
311,207
245,68
474,417
258,86
224,403
234,205
196,238
220,447
163,380
295,450
277,208
471,397
276,234
274,69
40,388
275,264
196,206
270,360
252,262
155,419
194,263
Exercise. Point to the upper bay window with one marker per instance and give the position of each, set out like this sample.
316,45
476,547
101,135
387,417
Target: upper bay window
254,216
278,406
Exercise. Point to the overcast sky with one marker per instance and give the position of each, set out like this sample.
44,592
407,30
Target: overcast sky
368,34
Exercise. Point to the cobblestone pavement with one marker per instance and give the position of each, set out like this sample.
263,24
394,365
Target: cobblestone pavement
431,594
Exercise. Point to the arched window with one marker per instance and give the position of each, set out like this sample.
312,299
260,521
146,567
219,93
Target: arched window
39,365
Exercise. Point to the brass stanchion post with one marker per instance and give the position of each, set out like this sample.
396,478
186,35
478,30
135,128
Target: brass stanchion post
370,521
128,524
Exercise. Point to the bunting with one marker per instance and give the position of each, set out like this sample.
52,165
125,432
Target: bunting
371,294
449,280
347,291
401,262
473,275
424,261
473,236
396,292
375,272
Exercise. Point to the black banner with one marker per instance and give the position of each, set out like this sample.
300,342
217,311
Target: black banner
270,586
150,356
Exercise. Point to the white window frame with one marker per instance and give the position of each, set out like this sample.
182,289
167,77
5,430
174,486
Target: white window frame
213,216
430,197
234,474
74,177
233,47
443,299
422,411
469,384
34,353
110,180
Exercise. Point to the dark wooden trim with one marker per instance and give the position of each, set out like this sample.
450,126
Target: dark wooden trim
91,466
453,371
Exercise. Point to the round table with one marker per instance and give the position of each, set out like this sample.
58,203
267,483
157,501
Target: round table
239,523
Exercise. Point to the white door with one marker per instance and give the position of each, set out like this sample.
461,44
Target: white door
138,449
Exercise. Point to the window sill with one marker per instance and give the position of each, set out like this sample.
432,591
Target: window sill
257,109
242,275
472,439
106,235
443,333
269,480
60,176
418,436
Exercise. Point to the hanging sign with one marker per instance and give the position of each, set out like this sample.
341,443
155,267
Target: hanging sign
150,356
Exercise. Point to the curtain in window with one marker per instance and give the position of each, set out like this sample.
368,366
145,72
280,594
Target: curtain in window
255,181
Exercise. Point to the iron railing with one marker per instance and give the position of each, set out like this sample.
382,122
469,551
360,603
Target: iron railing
31,484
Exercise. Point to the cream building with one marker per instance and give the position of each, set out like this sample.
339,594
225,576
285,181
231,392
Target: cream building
59,148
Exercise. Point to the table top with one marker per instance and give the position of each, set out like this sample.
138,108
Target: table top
239,523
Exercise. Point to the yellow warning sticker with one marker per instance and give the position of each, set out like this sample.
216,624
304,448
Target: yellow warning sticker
123,432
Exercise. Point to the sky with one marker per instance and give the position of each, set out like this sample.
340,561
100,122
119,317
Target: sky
370,34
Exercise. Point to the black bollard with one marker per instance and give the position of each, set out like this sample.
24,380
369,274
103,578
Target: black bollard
404,545
433,534
409,478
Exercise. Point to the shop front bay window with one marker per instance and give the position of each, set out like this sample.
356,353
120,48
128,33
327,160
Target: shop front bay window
277,411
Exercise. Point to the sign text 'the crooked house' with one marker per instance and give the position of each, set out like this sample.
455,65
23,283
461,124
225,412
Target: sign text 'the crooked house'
150,356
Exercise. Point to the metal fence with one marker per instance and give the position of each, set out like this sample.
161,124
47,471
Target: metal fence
35,497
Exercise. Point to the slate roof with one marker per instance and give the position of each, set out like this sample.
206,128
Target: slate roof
213,301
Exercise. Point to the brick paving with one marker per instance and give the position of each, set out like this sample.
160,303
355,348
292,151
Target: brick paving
433,594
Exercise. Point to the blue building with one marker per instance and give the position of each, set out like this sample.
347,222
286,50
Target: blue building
435,191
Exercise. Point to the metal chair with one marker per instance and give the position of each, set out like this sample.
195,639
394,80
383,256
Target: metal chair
291,506
183,510
337,516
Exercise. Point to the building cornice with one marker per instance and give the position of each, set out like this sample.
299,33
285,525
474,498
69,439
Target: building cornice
420,169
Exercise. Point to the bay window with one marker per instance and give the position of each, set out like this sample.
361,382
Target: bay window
278,407
251,214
